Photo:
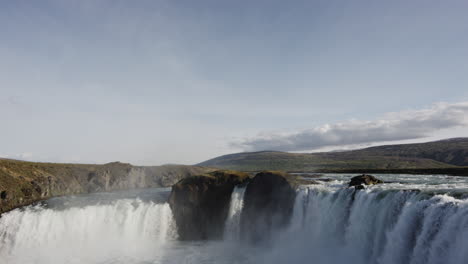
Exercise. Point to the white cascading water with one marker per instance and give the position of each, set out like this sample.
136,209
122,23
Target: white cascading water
374,227
331,224
90,234
232,225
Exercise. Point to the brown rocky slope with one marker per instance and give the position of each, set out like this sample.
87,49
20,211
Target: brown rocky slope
23,183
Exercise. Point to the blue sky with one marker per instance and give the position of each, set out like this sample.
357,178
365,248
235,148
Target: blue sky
152,82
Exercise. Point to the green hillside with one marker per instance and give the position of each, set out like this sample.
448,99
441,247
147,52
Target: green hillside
450,153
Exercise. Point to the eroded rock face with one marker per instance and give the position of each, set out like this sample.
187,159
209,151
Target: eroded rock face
200,204
359,181
23,183
268,205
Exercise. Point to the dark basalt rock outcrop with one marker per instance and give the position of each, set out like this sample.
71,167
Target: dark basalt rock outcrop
268,204
200,204
359,181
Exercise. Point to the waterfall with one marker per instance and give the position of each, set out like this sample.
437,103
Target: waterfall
232,226
380,226
85,234
330,224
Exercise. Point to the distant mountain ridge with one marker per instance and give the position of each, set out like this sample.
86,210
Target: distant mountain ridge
448,153
453,151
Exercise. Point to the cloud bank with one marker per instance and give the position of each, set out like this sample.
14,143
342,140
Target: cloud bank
413,124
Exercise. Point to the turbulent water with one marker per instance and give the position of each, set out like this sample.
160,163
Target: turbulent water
232,226
409,220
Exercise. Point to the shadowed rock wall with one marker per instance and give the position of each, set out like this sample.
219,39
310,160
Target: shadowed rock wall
268,204
200,204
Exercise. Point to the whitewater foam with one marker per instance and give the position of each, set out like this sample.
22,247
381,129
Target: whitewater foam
391,223
232,225
87,234
374,226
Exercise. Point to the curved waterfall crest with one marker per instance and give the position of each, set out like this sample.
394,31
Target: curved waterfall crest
377,225
121,227
383,227
330,223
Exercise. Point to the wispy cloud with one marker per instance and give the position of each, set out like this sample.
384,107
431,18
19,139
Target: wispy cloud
412,124
20,156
